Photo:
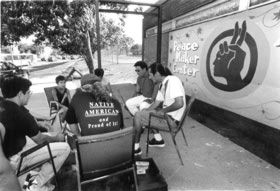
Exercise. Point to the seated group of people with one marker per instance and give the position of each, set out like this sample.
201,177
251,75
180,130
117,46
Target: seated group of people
158,92
92,110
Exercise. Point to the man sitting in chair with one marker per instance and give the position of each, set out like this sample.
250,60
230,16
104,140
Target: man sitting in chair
144,89
8,179
21,132
171,95
92,110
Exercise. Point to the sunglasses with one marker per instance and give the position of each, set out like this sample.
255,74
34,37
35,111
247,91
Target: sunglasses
137,70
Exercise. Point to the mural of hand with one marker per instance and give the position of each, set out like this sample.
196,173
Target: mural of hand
230,58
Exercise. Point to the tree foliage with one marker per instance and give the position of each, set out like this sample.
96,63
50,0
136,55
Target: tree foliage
67,26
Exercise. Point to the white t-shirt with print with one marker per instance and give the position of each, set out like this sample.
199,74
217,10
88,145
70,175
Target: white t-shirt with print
171,88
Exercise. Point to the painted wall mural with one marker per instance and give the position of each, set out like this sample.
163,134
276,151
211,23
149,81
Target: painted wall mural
233,62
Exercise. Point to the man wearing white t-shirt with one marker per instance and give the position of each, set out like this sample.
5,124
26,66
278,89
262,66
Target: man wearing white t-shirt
171,95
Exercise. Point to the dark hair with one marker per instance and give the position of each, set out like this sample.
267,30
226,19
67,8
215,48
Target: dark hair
162,70
141,64
99,93
11,86
99,72
59,78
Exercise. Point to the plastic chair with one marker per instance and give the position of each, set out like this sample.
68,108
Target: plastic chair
173,131
36,165
105,155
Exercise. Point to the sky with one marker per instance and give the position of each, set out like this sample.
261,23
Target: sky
133,27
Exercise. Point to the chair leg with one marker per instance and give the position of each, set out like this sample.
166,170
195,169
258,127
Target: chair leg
78,171
135,178
147,143
184,136
178,152
53,165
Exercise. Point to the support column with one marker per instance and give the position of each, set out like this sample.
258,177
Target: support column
159,34
98,33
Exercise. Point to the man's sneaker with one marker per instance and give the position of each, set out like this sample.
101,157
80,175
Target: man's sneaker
154,143
138,151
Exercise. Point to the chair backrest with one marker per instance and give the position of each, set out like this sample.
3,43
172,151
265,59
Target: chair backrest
48,93
104,154
186,111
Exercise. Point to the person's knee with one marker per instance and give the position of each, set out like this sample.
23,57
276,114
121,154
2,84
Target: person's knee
67,148
144,105
128,102
63,147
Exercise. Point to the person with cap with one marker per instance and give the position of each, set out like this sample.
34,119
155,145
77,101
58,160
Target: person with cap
92,110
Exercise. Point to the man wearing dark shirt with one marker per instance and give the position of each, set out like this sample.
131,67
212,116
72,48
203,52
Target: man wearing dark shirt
21,132
93,109
8,179
144,89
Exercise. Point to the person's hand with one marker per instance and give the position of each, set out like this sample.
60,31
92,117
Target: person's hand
60,137
51,117
230,58
149,101
158,112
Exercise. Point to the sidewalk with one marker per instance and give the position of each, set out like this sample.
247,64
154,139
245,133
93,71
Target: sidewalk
212,162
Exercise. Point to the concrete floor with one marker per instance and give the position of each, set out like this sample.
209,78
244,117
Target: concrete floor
212,162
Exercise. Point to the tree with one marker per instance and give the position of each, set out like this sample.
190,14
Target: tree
136,49
68,26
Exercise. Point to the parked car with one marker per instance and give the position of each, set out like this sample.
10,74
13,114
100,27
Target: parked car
9,69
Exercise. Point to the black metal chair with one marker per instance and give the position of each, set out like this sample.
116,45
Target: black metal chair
28,168
105,155
173,131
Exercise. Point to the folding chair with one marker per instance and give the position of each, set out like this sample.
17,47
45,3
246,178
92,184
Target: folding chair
36,165
105,155
173,131
54,108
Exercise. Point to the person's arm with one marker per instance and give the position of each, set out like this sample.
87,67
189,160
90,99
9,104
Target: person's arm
154,94
137,91
178,103
38,116
68,96
154,105
41,138
8,179
109,88
75,129
155,91
54,95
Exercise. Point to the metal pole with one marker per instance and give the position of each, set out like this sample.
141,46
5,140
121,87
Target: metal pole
143,39
159,34
98,33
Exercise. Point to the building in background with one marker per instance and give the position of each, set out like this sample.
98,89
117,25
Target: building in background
227,52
